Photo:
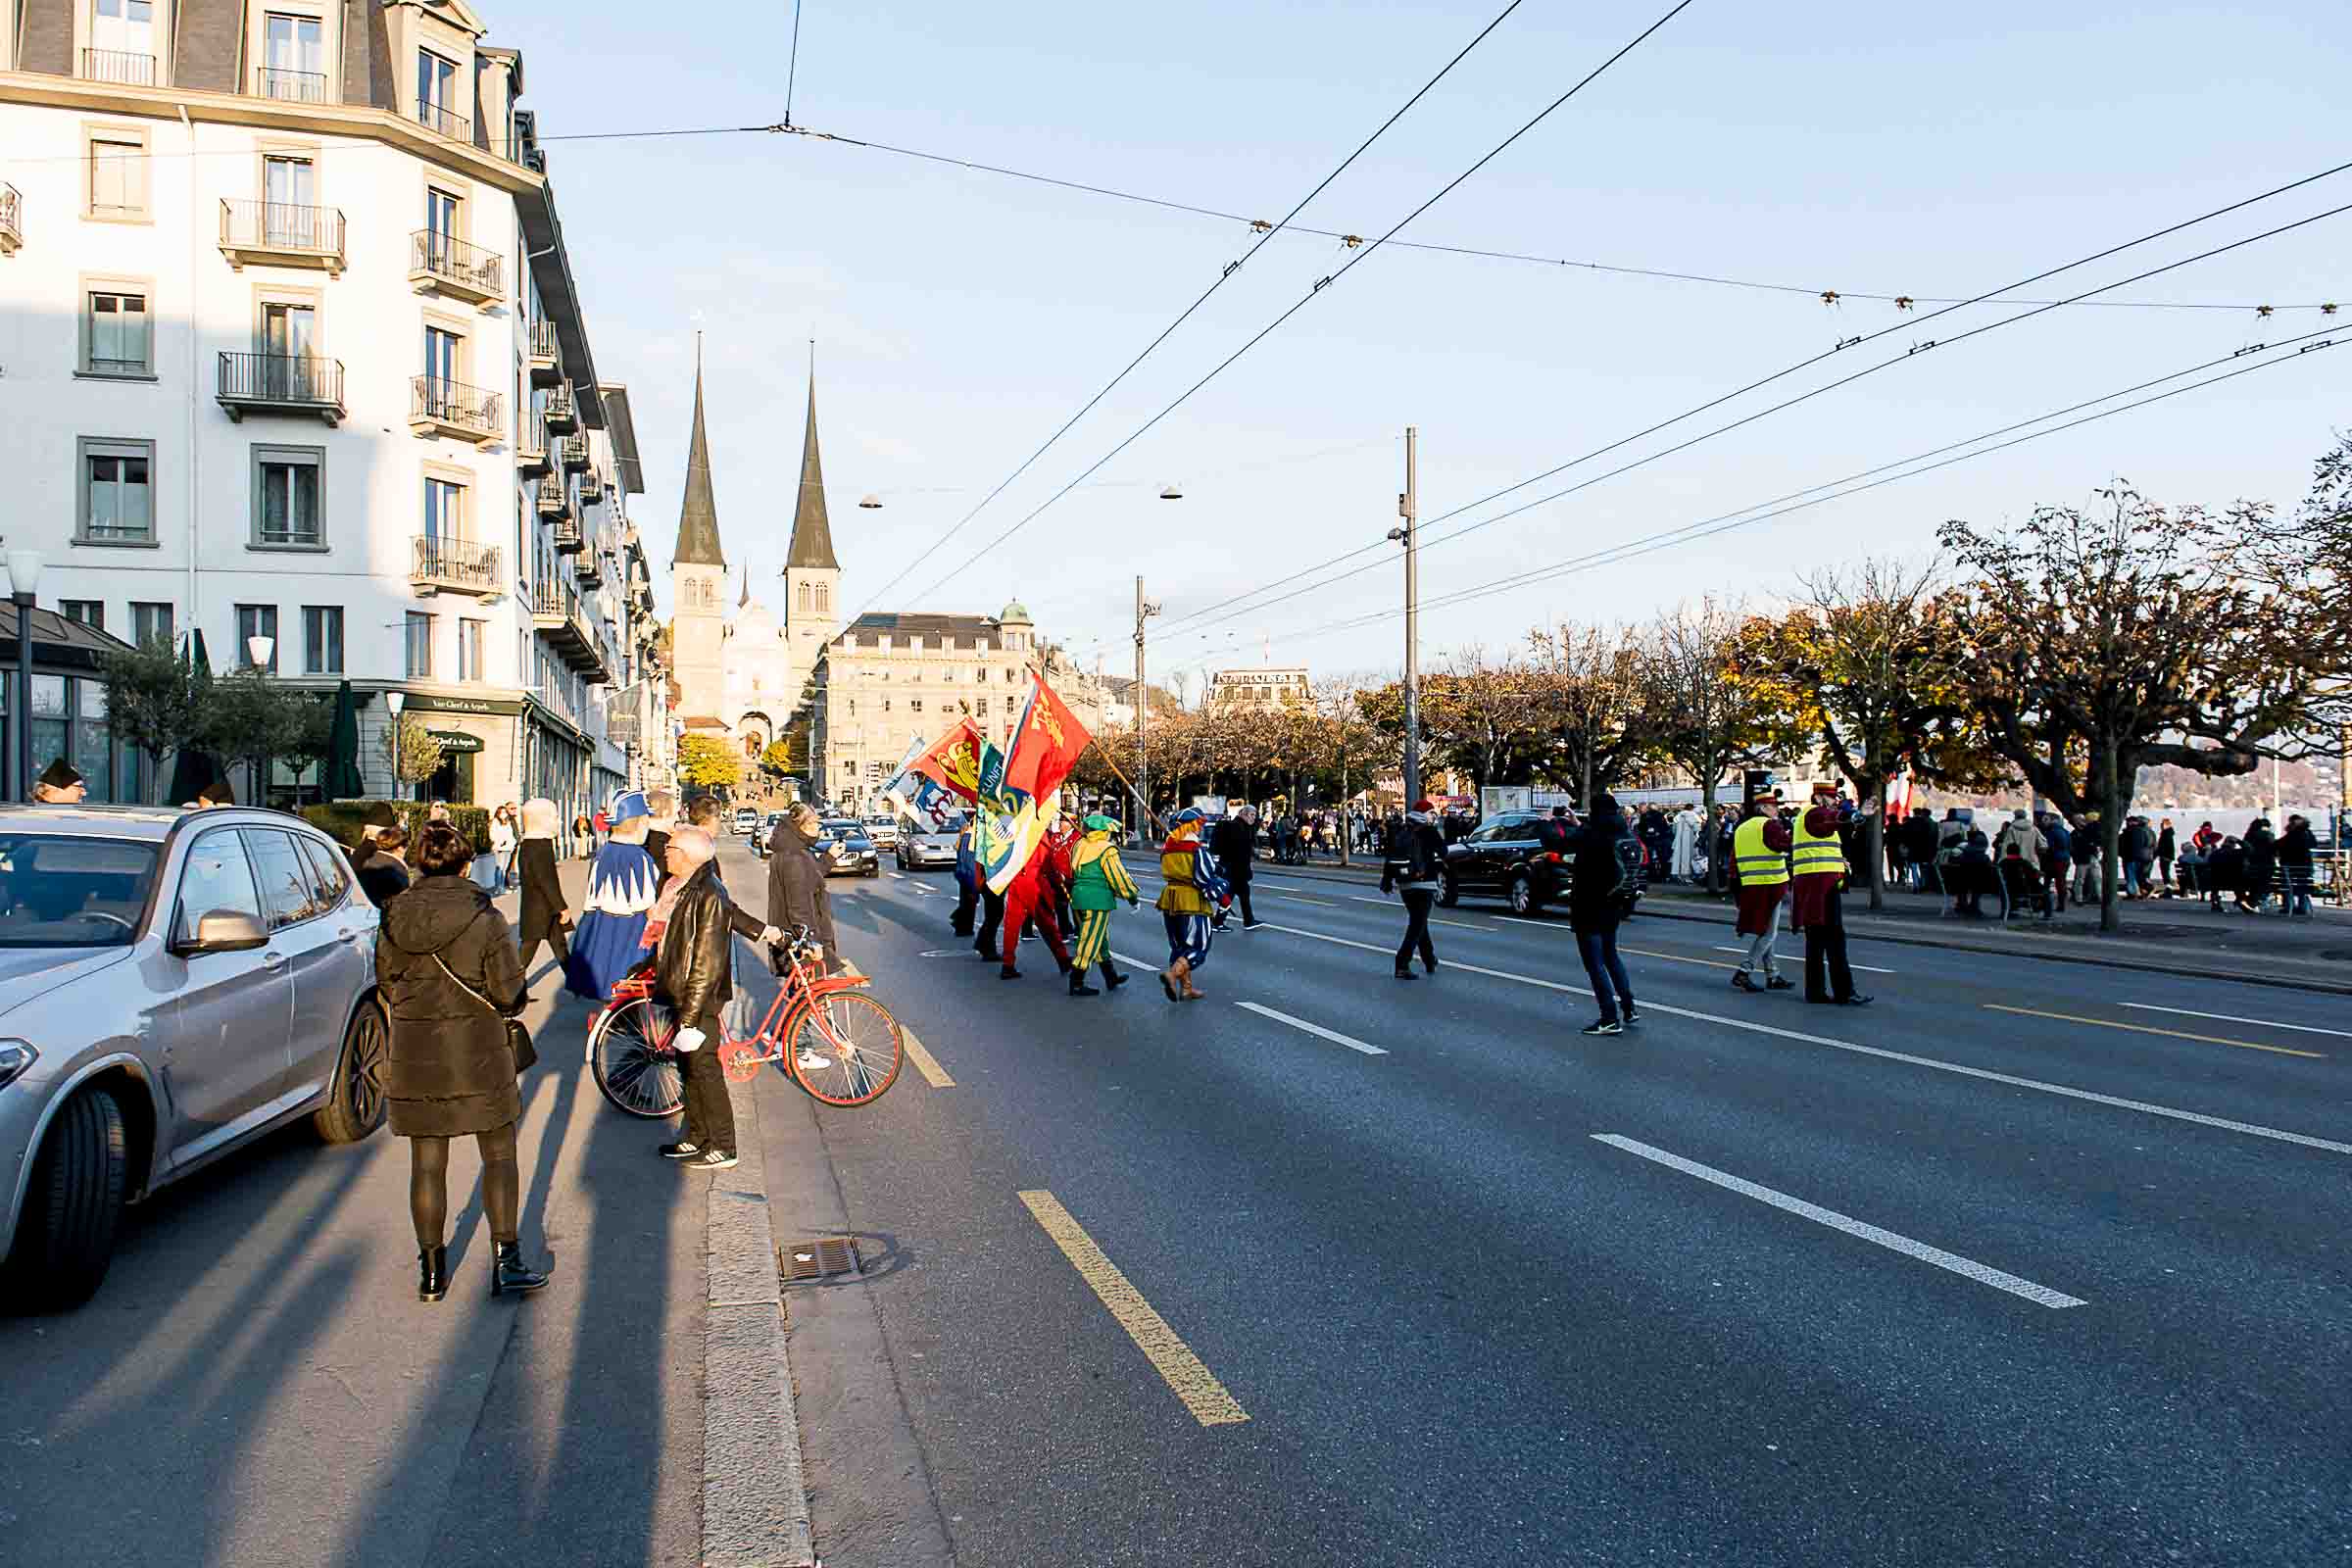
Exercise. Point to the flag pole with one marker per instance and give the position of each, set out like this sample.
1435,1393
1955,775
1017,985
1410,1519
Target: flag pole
1150,818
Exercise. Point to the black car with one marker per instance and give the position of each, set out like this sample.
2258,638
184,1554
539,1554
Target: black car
1523,857
842,845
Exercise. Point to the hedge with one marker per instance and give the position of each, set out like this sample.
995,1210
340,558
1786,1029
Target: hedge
343,819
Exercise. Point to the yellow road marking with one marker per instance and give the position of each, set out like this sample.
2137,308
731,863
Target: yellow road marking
924,1062
1677,957
2145,1029
1192,1382
1459,925
1300,897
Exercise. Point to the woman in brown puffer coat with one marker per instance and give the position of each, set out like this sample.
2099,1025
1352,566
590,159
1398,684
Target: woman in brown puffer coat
451,978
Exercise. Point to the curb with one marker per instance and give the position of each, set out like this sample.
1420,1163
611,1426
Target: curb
1652,910
755,1495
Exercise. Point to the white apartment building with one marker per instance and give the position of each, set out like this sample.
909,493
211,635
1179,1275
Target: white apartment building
290,348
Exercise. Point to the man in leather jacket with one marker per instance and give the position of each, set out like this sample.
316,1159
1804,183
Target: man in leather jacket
690,975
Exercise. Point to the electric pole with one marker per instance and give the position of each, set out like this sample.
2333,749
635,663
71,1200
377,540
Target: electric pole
1408,507
1144,611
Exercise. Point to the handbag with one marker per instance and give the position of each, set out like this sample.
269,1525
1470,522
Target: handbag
519,1037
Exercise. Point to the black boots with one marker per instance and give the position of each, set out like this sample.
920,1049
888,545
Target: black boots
1111,977
432,1273
510,1275
1079,987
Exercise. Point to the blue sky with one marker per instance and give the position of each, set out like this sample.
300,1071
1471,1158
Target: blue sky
961,316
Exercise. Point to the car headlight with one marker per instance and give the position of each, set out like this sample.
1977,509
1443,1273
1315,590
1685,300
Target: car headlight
16,1057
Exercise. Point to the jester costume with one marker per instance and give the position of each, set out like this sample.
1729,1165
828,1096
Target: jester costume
623,882
1099,882
1193,888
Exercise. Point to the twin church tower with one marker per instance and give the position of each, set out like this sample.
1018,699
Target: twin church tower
741,674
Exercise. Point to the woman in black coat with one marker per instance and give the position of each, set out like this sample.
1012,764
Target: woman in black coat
450,978
383,874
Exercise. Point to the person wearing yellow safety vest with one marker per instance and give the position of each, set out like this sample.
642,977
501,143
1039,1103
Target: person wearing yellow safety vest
1818,862
1760,874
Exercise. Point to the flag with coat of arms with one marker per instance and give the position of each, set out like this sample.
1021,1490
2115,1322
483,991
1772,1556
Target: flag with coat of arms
1018,793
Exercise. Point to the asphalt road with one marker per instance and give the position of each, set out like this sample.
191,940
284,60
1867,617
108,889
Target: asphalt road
1758,1282
256,1383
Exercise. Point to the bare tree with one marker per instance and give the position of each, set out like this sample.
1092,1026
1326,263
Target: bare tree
1698,716
1588,688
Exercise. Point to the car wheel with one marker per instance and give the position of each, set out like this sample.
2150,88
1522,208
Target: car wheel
66,1238
1521,894
1450,893
355,1100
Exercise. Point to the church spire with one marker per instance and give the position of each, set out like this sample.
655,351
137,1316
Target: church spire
698,512
811,531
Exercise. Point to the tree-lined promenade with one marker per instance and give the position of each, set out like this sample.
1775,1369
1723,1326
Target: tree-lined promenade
2062,655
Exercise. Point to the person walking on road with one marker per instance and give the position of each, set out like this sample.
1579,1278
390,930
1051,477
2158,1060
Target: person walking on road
1760,879
967,882
1599,889
450,978
1816,905
1413,868
543,915
692,931
1029,900
1233,842
1098,881
1189,894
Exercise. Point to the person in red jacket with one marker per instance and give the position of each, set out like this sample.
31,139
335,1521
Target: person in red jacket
1030,896
1816,906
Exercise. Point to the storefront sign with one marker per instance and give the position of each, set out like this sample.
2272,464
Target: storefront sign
432,702
451,740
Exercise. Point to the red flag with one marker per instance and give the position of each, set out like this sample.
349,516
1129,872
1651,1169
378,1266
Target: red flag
1048,743
954,760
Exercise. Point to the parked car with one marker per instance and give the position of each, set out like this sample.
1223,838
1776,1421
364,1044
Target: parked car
1520,857
921,845
746,819
173,985
767,829
883,830
842,845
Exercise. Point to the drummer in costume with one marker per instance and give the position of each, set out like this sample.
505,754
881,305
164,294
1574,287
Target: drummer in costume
623,883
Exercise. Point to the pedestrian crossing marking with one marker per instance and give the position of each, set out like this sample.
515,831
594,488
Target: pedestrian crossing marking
1186,1375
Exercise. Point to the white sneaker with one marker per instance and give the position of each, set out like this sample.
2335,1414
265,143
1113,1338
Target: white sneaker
810,1061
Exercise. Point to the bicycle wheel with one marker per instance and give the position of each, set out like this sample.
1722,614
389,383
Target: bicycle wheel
846,1051
629,1051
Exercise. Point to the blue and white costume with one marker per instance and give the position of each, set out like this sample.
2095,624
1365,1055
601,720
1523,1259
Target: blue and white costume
623,884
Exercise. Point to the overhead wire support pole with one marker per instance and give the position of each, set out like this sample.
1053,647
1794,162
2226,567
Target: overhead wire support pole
1408,505
1144,611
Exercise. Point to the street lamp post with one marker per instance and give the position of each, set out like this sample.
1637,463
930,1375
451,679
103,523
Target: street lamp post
24,581
393,703
1408,505
259,652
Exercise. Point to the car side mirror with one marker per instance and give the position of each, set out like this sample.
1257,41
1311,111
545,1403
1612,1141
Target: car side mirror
223,931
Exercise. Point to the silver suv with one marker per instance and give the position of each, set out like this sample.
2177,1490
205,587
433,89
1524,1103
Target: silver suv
173,985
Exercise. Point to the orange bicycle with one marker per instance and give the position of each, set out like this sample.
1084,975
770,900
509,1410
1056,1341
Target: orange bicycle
842,1047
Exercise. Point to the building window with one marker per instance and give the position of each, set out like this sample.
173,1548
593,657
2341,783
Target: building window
117,494
293,61
420,635
915,704
982,703
89,611
444,508
117,173
436,91
470,649
257,621
286,498
322,639
443,356
824,598
117,333
150,621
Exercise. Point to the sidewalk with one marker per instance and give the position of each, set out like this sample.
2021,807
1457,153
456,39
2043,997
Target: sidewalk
2177,936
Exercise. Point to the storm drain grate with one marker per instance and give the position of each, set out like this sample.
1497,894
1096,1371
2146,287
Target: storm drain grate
819,1259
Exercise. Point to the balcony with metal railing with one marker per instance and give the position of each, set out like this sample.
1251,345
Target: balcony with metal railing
289,86
12,220
120,67
562,412
444,408
566,537
556,615
592,486
588,570
572,453
443,122
454,566
531,446
281,234
555,501
442,264
544,353
280,383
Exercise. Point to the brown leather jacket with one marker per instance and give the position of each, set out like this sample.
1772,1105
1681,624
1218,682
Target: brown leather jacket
690,971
